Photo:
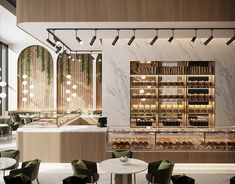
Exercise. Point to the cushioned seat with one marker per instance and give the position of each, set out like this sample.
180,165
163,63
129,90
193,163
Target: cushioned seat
87,168
120,153
182,179
29,168
232,180
81,179
160,172
17,179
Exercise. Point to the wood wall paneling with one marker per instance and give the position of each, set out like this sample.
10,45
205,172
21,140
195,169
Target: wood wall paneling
124,10
81,96
38,91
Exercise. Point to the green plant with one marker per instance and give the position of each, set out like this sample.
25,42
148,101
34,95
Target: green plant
29,61
69,65
37,51
82,62
48,68
42,59
61,62
100,68
88,69
22,61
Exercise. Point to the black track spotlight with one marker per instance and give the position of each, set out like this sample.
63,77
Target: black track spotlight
210,38
231,39
49,41
155,38
172,37
116,39
58,49
195,36
132,39
78,39
93,39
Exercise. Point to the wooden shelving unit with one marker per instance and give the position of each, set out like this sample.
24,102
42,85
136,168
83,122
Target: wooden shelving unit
180,93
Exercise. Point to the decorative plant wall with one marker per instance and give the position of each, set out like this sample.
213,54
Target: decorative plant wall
74,82
35,79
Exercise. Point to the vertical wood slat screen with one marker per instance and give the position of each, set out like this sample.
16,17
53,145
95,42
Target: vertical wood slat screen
38,92
78,94
99,82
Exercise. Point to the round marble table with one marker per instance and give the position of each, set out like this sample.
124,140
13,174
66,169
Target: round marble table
115,166
6,163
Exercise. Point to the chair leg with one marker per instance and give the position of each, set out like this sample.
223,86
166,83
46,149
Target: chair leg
37,180
134,179
111,178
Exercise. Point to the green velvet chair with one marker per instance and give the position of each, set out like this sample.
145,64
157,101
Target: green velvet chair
90,171
5,130
17,179
15,122
15,154
120,153
81,179
29,168
160,172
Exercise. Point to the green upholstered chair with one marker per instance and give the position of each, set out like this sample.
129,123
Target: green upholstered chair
11,154
5,131
29,168
15,122
182,179
160,172
120,153
81,179
17,179
90,171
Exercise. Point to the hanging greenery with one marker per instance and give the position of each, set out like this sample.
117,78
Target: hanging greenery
69,65
48,68
22,65
61,62
42,59
100,67
88,69
29,61
82,62
37,51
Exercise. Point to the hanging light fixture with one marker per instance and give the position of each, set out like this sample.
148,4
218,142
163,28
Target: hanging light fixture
172,36
195,36
132,39
116,38
155,38
231,39
210,38
93,39
78,39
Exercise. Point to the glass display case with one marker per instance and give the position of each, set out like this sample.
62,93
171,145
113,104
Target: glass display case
171,139
166,94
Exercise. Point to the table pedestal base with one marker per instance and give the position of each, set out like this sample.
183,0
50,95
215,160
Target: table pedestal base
123,179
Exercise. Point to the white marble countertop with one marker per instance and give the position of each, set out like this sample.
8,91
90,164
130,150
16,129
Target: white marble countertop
67,128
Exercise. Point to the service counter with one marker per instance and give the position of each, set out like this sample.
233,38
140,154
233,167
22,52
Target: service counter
90,142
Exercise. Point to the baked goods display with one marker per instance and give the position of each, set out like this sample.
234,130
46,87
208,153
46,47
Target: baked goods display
132,143
219,143
175,143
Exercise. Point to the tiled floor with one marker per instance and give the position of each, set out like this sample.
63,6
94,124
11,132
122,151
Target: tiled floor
54,173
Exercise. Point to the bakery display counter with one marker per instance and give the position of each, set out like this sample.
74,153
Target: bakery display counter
172,139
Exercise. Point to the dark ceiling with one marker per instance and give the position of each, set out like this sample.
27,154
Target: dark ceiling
13,2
